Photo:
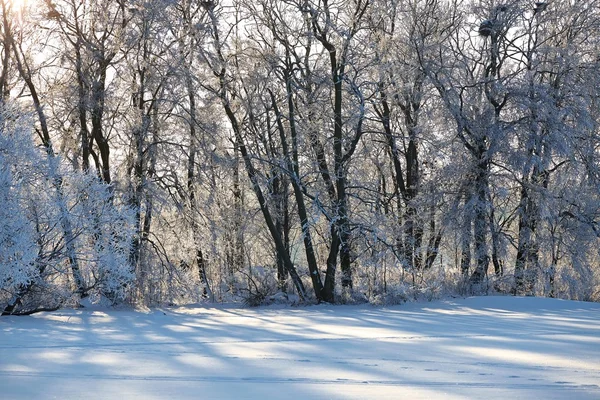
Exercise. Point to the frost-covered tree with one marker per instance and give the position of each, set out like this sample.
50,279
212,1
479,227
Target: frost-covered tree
66,237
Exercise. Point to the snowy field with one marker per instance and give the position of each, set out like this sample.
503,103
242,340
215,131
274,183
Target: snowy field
488,348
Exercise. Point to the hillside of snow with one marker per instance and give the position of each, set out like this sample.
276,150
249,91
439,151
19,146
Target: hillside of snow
484,347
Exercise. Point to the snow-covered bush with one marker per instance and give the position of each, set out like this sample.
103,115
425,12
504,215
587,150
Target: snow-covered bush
17,239
104,236
17,247
63,235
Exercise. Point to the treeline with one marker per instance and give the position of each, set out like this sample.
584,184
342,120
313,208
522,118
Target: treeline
169,151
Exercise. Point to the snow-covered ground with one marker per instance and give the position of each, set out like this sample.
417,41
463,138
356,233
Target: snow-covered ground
486,347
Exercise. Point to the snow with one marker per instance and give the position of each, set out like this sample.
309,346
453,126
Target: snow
483,347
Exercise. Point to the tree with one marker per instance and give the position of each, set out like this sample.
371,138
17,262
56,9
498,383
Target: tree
76,224
407,31
469,75
93,32
554,114
219,65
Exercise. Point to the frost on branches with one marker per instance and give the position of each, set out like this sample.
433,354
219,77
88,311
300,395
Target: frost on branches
40,196
17,234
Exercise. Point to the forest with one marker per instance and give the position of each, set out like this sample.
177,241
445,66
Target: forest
164,152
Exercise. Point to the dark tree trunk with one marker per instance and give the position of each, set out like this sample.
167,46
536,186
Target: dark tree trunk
191,187
294,168
496,261
6,49
480,221
252,175
466,238
98,96
82,105
410,245
69,236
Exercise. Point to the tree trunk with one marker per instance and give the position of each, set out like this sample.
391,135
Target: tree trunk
252,175
191,186
6,48
97,113
294,168
466,238
69,236
480,222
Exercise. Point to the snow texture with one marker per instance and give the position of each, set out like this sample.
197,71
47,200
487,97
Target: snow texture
485,347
